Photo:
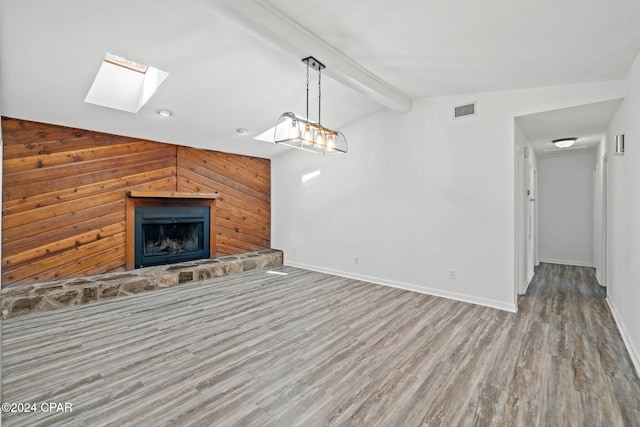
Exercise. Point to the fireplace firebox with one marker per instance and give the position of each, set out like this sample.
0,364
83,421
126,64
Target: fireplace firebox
170,234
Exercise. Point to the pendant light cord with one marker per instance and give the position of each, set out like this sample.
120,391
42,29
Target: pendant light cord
319,67
307,91
319,93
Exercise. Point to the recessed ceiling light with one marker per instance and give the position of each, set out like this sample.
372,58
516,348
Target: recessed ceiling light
164,113
242,131
564,142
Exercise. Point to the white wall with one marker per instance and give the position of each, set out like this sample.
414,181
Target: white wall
623,216
565,207
418,195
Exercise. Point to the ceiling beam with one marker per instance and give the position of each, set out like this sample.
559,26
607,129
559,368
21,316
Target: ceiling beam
270,24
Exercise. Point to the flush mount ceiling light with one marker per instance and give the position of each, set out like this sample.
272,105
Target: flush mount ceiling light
124,84
164,113
564,142
304,134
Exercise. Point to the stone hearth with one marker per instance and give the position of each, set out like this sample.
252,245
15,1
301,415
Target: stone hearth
21,300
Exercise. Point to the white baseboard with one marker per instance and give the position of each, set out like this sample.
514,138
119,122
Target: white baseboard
633,352
409,287
528,282
599,279
567,262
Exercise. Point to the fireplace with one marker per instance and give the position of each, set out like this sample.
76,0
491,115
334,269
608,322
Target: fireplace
170,234
166,227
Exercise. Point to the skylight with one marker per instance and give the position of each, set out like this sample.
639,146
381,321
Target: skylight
267,136
124,84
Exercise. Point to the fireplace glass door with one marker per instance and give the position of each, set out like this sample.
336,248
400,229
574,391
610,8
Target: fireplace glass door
170,234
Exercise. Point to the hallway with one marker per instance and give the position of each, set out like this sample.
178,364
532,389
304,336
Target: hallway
573,354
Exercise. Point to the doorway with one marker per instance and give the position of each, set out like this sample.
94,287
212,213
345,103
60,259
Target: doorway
552,227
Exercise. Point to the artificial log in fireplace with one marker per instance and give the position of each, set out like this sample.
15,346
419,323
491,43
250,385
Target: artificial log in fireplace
169,227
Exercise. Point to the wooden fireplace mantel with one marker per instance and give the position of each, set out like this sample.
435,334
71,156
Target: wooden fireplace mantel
166,198
171,195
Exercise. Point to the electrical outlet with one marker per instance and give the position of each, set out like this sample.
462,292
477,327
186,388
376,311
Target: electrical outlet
294,251
356,260
452,274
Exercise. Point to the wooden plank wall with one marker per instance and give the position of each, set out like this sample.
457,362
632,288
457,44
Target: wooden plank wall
243,211
63,197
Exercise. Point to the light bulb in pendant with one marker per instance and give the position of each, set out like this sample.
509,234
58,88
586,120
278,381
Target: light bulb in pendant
307,138
331,142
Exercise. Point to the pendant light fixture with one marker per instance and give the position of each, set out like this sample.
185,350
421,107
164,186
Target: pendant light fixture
304,134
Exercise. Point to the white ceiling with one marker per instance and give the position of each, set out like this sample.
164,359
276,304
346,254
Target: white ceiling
236,63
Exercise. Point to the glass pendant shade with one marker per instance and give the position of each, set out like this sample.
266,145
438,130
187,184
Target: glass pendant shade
305,135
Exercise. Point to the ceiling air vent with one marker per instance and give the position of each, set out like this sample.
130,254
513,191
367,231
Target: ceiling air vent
465,110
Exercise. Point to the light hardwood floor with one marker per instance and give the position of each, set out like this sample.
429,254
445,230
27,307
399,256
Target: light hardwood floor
312,349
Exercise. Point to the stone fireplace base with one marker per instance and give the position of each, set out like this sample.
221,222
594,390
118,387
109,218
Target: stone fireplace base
21,300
